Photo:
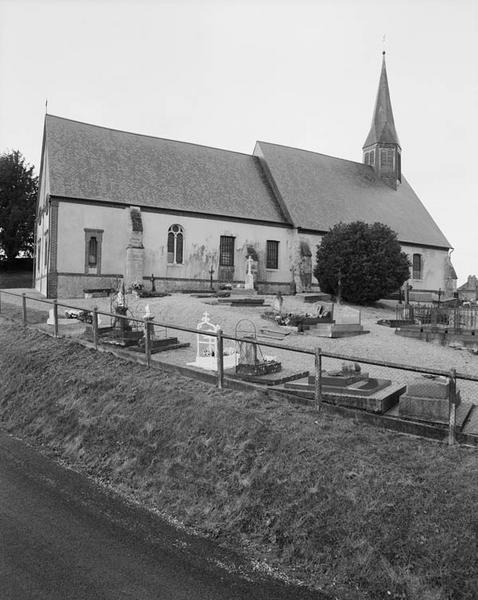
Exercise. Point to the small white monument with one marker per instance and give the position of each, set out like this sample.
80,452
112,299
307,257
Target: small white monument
249,282
148,317
206,347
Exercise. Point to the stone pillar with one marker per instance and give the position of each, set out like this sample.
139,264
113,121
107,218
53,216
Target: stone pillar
134,271
134,266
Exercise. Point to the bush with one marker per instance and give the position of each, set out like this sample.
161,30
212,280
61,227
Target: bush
366,259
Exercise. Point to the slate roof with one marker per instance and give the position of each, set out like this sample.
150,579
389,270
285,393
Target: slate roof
319,191
96,163
277,184
471,284
383,126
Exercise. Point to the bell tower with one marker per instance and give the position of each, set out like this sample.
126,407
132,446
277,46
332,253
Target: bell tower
382,149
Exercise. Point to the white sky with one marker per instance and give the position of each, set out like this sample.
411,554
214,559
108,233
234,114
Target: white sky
227,73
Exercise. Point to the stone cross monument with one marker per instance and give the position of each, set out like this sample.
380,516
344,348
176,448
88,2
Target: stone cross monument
249,282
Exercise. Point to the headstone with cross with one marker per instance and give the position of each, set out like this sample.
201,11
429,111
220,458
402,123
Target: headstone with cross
249,281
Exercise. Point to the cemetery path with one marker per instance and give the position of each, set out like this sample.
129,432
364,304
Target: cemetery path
65,537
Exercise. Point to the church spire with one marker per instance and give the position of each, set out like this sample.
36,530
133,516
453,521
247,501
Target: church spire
382,148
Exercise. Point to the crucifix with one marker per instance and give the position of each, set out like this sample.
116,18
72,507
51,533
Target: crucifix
211,273
439,296
249,262
153,287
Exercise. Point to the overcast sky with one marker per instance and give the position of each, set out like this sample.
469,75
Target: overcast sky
227,73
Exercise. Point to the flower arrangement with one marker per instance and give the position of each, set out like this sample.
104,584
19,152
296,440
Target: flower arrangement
136,286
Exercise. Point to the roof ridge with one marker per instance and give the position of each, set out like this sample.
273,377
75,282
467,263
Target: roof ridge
145,135
356,162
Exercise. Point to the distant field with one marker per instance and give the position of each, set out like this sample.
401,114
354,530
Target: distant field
22,279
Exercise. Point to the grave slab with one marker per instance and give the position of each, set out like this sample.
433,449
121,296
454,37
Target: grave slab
336,330
462,411
209,363
429,388
471,424
162,345
309,298
269,379
434,410
241,291
380,401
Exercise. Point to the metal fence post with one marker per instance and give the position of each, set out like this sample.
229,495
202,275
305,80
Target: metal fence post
220,359
318,379
55,318
24,305
452,403
147,341
95,326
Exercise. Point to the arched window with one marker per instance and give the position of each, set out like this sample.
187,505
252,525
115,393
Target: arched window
417,266
175,244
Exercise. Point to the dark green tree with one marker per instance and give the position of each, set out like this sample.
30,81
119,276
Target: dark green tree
18,193
366,259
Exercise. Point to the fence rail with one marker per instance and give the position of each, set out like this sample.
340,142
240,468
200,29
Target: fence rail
454,318
319,355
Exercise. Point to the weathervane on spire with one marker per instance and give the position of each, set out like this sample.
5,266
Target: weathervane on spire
46,106
383,43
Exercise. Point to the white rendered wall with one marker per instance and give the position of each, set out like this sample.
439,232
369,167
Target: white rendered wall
201,247
41,232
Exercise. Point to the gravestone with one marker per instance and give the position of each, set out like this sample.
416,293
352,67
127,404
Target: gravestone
426,400
278,303
351,387
249,280
158,343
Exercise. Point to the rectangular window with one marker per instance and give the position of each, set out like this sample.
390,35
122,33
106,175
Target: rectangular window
272,254
417,266
93,252
226,251
93,244
372,158
386,157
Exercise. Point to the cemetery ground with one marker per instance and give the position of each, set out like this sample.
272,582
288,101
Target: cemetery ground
350,509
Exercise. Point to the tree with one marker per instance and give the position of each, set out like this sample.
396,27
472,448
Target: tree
367,259
18,193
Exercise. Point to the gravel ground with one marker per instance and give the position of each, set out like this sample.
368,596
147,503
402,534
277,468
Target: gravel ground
380,343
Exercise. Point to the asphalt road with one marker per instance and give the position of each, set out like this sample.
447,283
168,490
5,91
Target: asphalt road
63,537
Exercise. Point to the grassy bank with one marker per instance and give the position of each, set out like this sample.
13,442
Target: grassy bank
356,511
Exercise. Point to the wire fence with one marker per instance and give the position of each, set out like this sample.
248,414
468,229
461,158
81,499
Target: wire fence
364,376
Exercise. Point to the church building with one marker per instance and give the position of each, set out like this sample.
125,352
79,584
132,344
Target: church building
116,205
